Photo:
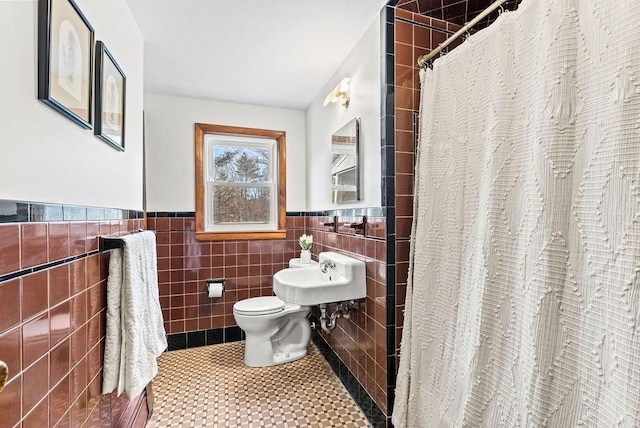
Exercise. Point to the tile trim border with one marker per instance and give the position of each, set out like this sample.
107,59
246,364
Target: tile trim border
387,153
348,212
362,398
341,212
170,214
195,339
29,212
23,272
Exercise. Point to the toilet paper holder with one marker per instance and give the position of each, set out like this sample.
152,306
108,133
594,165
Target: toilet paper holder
214,282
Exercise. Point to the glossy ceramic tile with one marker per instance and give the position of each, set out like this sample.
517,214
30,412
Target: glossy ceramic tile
35,384
11,394
58,241
10,350
455,11
35,339
58,284
360,342
33,244
184,264
34,294
9,248
52,329
10,314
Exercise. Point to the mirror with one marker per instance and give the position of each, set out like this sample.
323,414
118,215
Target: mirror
345,167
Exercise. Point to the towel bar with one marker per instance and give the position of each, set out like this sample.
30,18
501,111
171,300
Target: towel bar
106,243
359,227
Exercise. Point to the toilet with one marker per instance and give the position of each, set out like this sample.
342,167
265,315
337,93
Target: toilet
276,332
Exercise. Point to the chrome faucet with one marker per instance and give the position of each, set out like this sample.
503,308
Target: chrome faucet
327,264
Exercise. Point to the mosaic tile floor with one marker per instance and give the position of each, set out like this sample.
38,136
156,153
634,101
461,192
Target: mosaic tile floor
211,387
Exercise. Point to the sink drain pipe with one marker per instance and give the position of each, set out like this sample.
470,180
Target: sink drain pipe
343,310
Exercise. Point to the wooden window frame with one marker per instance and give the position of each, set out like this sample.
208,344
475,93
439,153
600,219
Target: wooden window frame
201,129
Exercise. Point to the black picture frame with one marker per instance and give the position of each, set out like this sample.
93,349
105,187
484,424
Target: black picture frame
65,60
110,98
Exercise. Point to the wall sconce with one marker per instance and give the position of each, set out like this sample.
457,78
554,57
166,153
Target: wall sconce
340,93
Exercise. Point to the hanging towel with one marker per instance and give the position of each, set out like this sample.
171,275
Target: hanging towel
135,334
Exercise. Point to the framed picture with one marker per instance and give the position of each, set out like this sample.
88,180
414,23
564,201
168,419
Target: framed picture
65,59
110,85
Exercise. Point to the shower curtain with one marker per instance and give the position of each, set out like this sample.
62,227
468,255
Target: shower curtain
523,303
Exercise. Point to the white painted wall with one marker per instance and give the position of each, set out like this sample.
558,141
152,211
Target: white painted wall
170,146
363,67
45,157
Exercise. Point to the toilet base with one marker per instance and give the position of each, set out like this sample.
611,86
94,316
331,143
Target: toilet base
287,357
281,345
260,353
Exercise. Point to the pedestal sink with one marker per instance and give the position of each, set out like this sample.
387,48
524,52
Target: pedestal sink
336,278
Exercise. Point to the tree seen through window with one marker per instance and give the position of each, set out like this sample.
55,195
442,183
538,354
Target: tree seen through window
238,191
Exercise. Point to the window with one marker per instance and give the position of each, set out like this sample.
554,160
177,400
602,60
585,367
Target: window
240,183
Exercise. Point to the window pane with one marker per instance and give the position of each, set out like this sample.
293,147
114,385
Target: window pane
241,204
241,164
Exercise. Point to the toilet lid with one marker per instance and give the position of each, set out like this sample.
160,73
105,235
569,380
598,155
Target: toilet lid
259,306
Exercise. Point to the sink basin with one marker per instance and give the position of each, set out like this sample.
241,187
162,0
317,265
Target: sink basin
311,286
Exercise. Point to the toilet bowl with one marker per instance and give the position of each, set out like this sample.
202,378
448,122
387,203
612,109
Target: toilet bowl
276,332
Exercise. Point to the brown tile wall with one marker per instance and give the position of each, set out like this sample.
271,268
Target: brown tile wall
248,267
52,323
456,11
361,342
184,264
415,35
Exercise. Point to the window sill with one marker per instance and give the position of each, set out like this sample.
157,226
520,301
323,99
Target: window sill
230,236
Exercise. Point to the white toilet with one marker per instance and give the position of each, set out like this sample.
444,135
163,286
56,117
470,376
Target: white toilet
276,332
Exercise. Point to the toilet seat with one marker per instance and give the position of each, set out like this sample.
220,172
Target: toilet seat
259,306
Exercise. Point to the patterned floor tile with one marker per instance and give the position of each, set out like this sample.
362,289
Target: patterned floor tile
211,387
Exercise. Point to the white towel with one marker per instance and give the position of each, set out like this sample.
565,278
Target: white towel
135,334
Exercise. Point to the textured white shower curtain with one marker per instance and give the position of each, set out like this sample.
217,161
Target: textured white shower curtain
523,304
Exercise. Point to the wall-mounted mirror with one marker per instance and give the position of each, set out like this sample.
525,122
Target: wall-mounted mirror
345,167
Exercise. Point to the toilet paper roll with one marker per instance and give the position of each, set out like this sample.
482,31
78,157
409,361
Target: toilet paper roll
215,289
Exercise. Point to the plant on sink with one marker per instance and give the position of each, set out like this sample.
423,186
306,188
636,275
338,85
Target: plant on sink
305,242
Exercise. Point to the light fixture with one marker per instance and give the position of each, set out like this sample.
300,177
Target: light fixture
339,93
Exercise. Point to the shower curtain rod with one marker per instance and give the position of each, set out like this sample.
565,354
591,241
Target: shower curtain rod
424,59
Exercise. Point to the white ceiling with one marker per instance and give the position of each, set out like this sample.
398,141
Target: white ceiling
275,53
